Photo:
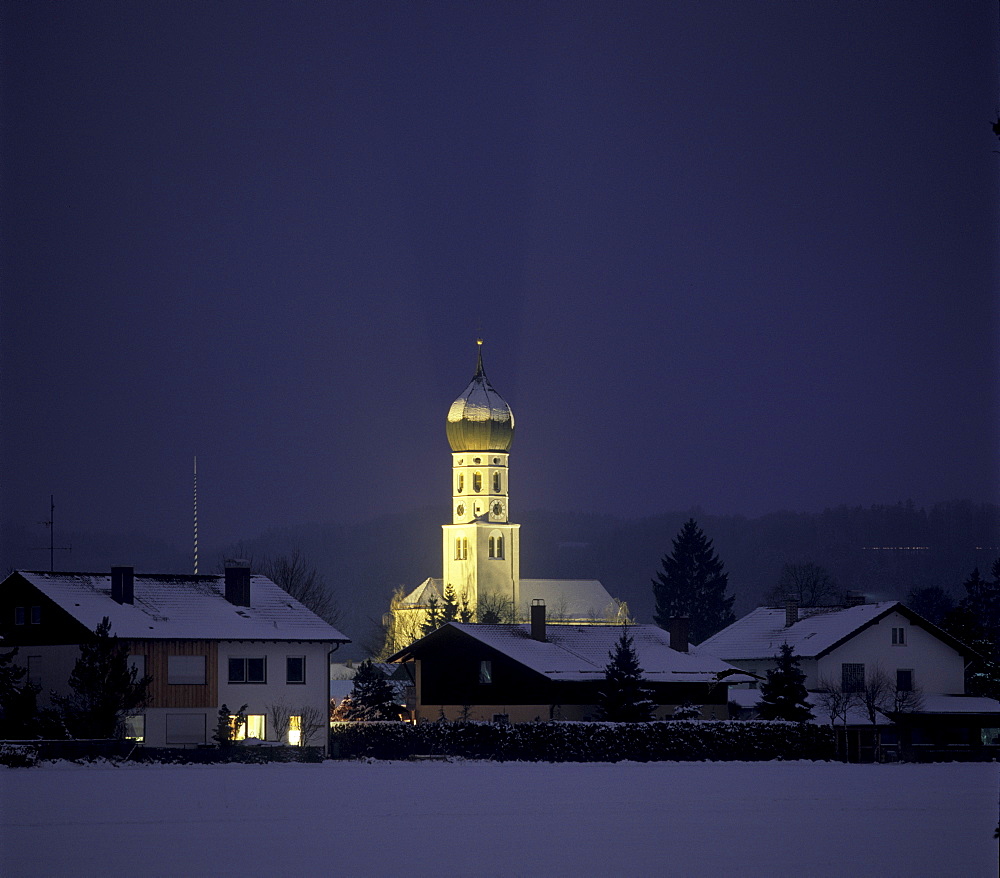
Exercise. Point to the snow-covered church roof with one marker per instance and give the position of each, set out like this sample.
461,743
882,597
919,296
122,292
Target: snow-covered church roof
183,607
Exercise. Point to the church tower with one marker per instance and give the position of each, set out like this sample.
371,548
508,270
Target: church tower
481,548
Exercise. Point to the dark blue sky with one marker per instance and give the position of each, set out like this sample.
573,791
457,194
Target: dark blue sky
739,255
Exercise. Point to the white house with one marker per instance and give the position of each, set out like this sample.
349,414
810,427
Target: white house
230,639
844,646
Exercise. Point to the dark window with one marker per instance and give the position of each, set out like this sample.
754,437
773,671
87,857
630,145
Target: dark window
496,483
295,669
36,615
477,482
899,637
247,670
461,482
18,615
852,677
186,670
904,680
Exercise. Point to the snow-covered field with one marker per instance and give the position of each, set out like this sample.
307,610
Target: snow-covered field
475,818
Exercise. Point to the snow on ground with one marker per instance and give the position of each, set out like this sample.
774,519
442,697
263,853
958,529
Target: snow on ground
477,818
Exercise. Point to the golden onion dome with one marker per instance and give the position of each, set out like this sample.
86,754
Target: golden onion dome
480,420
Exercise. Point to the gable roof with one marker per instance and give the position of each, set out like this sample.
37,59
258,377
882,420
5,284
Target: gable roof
580,652
819,630
569,598
183,607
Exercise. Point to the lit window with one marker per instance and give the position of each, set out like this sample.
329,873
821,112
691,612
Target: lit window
496,483
186,670
477,482
295,669
899,637
135,728
252,728
36,615
904,680
486,672
18,615
295,730
247,670
852,677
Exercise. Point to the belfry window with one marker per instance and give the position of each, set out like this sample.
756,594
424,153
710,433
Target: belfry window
477,482
496,545
496,483
461,548
461,482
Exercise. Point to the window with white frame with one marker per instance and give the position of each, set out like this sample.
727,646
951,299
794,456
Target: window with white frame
899,637
248,670
186,670
295,730
295,669
253,726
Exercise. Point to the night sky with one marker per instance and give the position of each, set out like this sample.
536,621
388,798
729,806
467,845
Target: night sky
733,255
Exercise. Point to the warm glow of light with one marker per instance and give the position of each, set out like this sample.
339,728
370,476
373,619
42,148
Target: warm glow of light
295,730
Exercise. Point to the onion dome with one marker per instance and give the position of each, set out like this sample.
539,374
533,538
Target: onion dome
480,420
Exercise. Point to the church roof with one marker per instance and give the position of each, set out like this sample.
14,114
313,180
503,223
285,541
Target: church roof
480,420
569,599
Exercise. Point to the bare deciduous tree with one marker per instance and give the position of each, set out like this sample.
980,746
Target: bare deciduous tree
280,718
836,703
311,721
809,583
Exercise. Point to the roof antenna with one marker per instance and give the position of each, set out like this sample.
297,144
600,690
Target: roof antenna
50,524
196,515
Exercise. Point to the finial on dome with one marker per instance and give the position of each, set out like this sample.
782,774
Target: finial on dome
479,364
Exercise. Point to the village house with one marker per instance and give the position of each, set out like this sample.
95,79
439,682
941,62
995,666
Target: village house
924,707
539,671
205,640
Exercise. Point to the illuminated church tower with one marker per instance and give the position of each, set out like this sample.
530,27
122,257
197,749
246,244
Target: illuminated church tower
481,549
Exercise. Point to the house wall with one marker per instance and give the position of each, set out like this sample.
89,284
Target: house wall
937,668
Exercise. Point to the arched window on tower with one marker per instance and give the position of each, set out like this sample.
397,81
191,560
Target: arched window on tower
496,544
496,483
477,482
461,482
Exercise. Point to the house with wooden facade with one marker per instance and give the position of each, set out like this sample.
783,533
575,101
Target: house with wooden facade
540,671
205,641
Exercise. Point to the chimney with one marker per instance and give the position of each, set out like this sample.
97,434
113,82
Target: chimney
538,620
679,630
855,599
123,585
791,611
238,583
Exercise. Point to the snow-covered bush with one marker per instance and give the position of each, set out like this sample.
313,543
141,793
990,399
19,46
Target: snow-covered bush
18,755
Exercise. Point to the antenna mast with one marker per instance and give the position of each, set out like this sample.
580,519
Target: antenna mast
50,524
196,515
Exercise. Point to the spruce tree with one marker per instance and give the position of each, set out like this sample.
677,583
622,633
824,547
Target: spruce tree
623,698
450,609
784,694
104,688
372,696
693,583
433,619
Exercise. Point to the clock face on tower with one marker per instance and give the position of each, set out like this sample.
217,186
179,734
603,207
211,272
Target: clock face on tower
460,509
497,508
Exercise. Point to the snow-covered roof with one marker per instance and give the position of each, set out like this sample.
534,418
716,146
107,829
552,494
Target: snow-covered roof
421,595
958,704
760,634
570,599
184,607
581,652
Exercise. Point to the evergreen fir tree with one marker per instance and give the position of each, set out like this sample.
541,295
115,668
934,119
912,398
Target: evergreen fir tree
693,583
784,694
433,620
18,700
372,696
228,724
104,688
623,698
450,608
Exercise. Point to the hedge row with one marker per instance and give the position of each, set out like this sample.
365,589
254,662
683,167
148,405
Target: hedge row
674,740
